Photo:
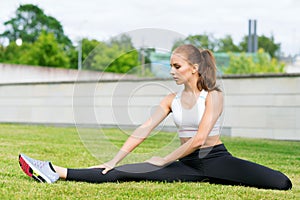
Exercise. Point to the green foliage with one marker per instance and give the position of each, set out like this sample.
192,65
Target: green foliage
46,51
226,44
118,55
254,63
203,41
63,147
13,53
29,22
72,54
264,42
2,53
242,63
87,46
208,41
127,62
44,41
45,44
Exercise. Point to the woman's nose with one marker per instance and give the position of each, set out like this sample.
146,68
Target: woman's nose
171,71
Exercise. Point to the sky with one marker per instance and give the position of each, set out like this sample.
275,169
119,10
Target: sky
99,19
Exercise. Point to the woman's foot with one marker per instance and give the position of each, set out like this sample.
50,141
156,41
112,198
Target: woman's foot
41,171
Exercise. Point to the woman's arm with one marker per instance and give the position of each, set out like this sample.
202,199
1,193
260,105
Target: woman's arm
213,109
141,133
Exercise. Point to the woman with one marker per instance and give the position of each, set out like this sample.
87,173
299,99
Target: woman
201,156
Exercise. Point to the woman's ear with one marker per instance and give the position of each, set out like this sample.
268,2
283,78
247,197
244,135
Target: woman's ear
195,68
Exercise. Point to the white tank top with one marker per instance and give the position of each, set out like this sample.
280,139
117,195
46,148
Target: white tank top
187,120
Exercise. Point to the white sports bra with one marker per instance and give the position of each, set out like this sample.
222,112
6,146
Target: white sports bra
187,120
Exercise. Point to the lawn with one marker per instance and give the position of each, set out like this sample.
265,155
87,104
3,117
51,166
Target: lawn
65,147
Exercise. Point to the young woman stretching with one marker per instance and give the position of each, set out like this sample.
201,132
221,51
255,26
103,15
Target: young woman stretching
201,156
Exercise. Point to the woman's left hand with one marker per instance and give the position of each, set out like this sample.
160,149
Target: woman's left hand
158,161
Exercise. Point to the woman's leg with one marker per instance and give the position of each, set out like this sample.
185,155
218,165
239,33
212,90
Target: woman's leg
219,166
176,171
232,170
44,171
62,172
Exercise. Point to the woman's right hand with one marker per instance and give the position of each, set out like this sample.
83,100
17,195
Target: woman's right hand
105,166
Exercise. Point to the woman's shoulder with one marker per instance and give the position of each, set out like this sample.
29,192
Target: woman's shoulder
167,100
215,94
171,96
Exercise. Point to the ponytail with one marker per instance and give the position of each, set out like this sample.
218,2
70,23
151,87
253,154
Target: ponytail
207,71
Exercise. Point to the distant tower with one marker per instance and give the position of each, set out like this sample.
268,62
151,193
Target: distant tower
252,37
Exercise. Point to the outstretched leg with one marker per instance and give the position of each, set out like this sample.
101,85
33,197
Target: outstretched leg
44,171
232,170
176,171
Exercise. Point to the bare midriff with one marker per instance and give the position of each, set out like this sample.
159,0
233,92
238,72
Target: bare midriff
210,141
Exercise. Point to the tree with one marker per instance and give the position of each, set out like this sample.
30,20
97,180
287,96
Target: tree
72,54
87,47
118,55
29,22
46,51
226,45
2,53
12,53
264,42
203,41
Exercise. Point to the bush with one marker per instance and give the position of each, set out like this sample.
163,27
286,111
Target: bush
259,62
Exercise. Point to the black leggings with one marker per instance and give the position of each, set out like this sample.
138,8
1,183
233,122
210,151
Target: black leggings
215,165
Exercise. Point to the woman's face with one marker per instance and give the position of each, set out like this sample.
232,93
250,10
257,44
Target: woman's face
181,70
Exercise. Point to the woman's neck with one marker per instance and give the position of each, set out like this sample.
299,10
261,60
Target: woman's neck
191,87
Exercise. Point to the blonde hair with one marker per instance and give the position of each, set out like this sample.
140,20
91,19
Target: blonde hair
205,60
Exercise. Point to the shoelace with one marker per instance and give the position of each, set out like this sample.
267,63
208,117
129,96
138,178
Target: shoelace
39,164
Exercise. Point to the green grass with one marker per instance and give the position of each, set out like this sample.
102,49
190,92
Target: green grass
64,147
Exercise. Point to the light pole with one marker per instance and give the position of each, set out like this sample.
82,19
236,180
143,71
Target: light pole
80,44
142,60
80,54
